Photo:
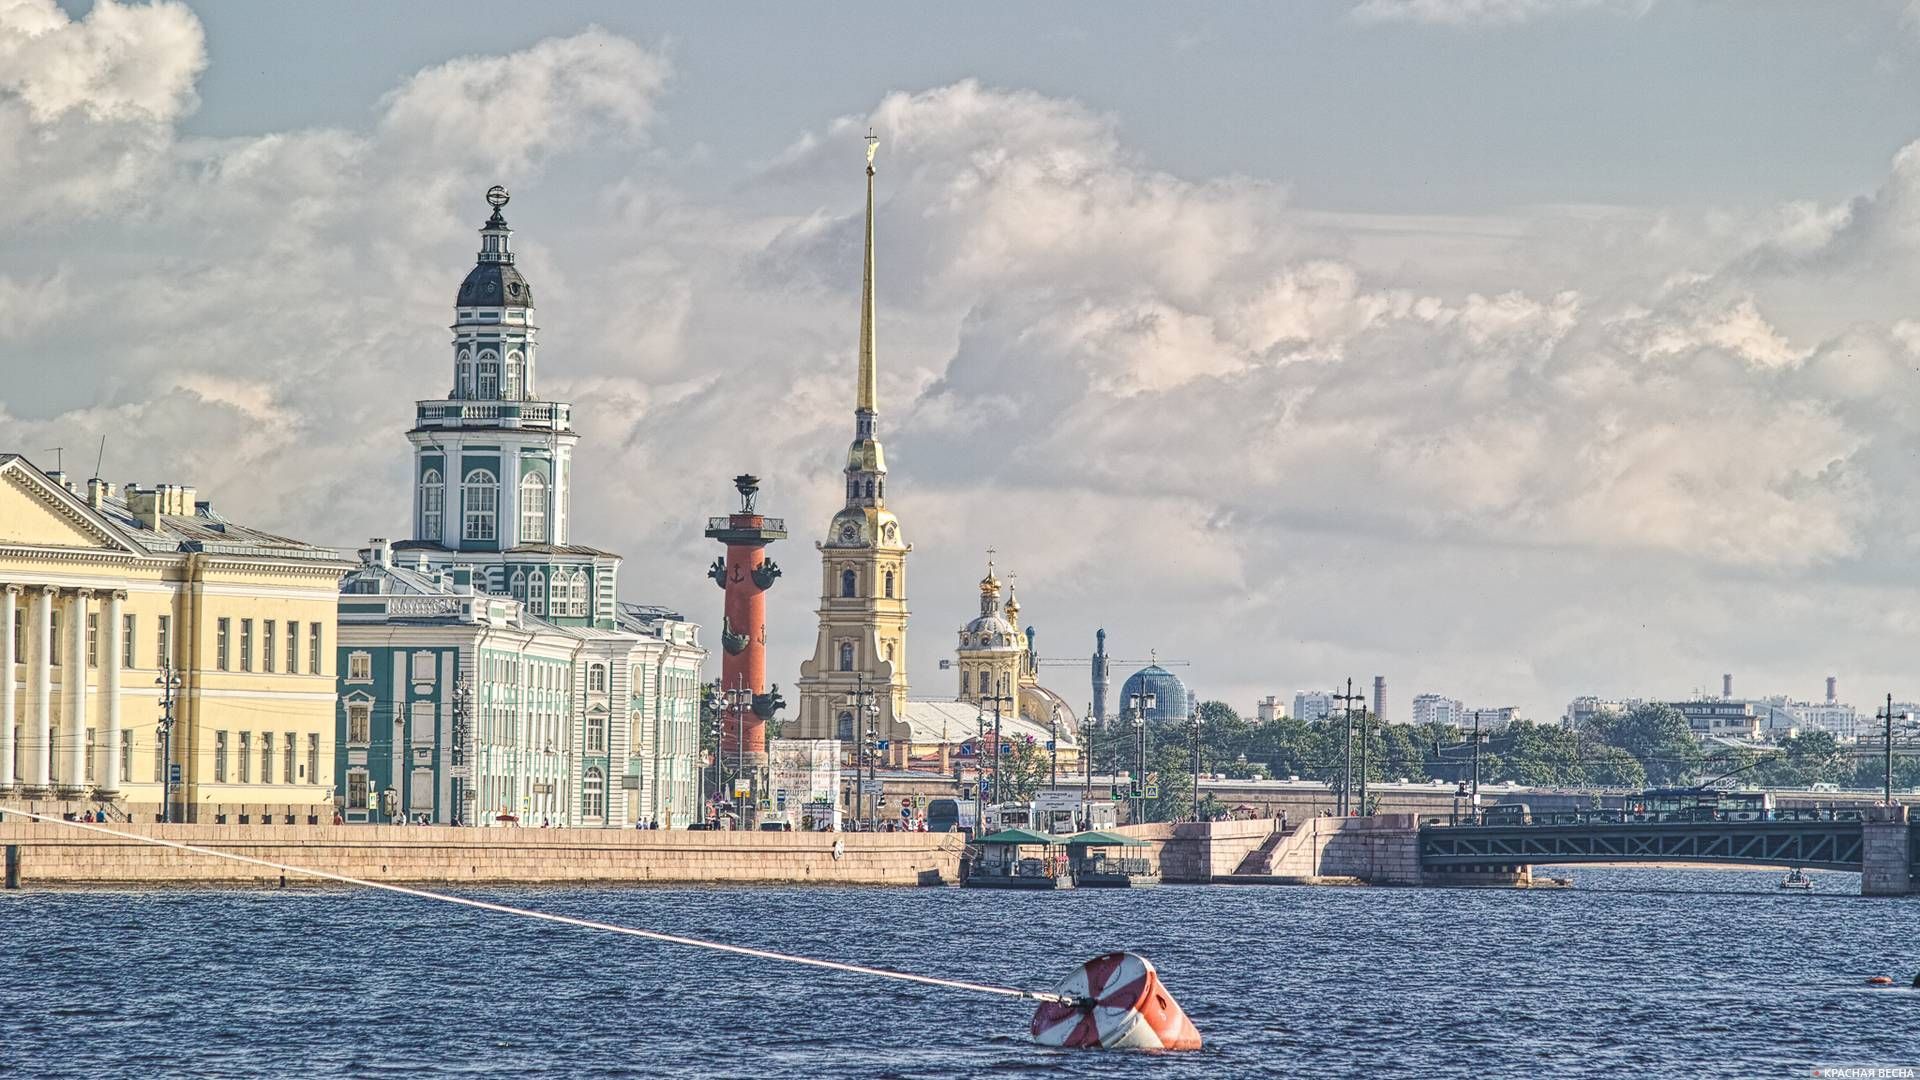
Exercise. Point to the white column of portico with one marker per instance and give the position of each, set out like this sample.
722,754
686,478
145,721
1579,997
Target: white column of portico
73,698
9,604
107,770
37,746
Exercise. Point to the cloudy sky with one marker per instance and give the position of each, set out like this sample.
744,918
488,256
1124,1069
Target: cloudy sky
1511,349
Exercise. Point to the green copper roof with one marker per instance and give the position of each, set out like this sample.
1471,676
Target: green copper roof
1018,836
1107,839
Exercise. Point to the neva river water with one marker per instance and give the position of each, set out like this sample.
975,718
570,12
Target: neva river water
1635,972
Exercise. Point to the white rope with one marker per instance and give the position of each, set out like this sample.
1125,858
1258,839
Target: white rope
673,939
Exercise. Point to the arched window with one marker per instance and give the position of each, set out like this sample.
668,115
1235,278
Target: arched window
597,678
869,487
433,503
847,582
846,656
844,731
966,683
487,382
537,592
853,488
596,732
463,375
516,375
593,795
533,509
518,588
889,584
883,488
479,503
579,607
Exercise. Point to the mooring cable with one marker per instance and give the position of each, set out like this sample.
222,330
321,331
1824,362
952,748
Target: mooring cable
504,909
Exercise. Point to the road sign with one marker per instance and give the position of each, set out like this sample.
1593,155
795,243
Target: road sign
906,802
460,772
906,813
872,787
741,789
173,771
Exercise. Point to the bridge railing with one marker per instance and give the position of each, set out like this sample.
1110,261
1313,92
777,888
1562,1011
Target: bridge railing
1494,816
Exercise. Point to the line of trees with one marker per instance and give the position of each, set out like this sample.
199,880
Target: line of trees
1650,746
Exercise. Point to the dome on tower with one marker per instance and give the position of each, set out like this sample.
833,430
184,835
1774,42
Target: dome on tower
1171,696
495,284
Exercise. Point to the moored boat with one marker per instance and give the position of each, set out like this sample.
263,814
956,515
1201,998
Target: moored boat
1018,859
1796,879
1104,860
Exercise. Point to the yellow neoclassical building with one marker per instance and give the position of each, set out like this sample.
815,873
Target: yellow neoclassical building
104,594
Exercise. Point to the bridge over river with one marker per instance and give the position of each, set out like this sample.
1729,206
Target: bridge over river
1878,842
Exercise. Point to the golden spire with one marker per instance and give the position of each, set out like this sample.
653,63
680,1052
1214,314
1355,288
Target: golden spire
867,394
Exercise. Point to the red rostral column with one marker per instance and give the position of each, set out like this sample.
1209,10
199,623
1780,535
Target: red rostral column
746,574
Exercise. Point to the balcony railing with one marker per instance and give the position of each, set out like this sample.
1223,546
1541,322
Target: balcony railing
538,414
775,524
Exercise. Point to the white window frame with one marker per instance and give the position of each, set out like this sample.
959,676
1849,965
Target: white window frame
433,504
480,505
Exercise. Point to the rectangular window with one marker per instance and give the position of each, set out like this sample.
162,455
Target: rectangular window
360,667
93,641
313,649
356,791
359,723
313,759
219,757
246,755
159,759
91,753
266,757
53,653
293,647
163,644
126,641
246,644
222,639
286,774
269,646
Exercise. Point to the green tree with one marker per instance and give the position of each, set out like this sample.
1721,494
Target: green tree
1658,737
1024,769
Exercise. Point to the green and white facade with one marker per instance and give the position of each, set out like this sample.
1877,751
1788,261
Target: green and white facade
488,674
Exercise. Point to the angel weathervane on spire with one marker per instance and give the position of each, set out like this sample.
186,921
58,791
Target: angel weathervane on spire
873,145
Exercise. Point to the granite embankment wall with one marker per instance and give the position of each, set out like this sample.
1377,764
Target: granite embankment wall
1382,850
49,854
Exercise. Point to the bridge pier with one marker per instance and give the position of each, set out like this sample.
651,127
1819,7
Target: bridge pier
1886,852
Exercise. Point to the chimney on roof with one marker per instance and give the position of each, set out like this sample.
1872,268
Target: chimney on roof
144,503
1726,686
97,492
1833,690
377,552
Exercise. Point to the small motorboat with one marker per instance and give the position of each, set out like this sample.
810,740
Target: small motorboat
1796,879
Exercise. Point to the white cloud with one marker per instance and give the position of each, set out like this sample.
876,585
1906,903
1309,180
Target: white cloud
1276,440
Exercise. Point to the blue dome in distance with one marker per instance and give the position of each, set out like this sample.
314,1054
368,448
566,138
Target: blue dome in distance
1171,696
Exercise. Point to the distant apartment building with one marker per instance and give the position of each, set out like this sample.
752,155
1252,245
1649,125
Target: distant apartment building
1783,716
1585,710
1313,704
1437,709
1268,709
1722,718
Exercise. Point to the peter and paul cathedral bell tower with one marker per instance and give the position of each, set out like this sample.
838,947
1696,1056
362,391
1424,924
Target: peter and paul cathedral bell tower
861,653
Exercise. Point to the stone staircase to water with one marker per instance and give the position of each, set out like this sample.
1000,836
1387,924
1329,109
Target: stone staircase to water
1259,861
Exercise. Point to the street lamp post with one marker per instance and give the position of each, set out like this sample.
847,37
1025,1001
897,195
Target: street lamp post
979,772
1053,745
866,712
1887,715
738,700
1139,704
1346,753
998,699
1475,808
462,700
1193,756
1092,731
169,683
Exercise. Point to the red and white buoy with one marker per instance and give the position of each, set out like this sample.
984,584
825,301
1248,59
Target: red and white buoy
1117,1003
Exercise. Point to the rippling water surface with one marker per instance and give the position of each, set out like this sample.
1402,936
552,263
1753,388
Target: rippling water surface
1634,972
